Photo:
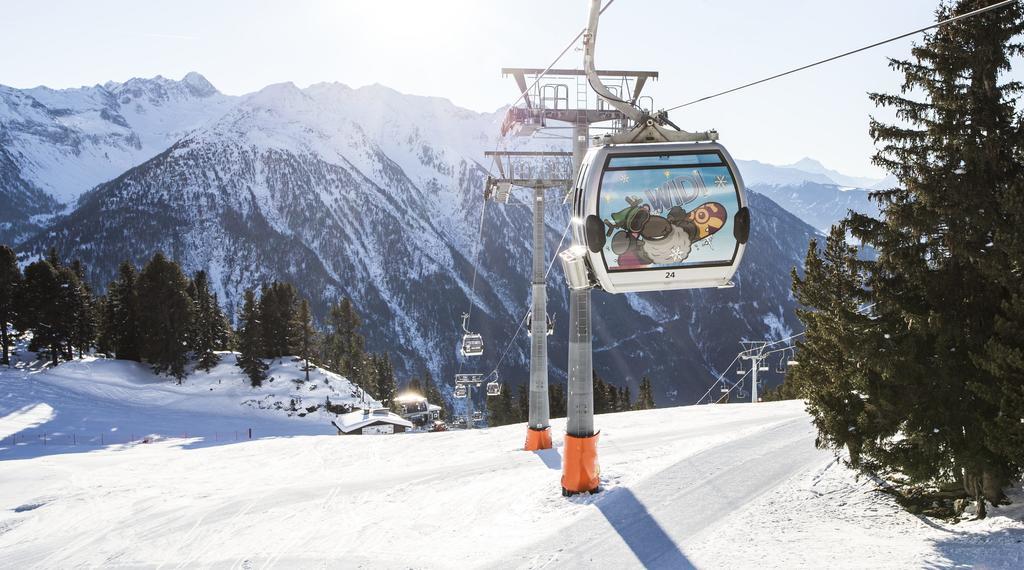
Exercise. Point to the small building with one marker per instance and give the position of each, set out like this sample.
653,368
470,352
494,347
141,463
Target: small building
380,421
418,410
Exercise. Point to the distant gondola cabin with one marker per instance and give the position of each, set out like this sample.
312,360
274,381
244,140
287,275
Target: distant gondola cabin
380,421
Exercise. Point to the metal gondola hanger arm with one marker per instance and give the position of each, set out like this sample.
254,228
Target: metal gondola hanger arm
589,43
648,127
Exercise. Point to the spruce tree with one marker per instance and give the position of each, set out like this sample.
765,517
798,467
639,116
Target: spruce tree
522,404
837,388
250,341
556,399
930,402
414,385
344,347
81,320
165,316
10,281
306,332
433,394
501,408
645,395
384,380
123,311
42,310
208,325
279,304
105,333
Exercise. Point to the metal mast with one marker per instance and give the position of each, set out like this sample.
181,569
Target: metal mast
543,104
539,418
513,173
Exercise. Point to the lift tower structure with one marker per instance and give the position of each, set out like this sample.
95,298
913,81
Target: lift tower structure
549,104
519,169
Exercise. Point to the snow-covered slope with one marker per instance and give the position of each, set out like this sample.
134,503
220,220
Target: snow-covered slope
712,487
86,404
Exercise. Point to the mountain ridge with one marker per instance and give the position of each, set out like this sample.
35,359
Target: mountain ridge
375,195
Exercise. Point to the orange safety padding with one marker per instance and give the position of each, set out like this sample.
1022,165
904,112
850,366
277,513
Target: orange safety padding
580,470
537,439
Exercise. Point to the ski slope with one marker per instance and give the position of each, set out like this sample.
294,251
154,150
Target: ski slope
731,486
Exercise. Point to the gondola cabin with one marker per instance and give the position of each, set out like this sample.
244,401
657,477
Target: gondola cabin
660,216
472,344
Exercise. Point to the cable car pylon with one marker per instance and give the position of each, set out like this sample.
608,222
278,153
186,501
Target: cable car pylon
538,432
652,234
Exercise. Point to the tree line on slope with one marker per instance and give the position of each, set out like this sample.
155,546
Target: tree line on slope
162,317
508,409
913,362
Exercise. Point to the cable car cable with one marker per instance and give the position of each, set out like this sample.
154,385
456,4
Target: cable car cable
720,377
523,320
849,53
557,59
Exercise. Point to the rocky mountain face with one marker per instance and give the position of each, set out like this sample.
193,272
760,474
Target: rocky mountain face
375,195
56,144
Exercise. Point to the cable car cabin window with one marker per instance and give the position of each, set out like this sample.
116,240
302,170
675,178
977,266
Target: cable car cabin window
668,211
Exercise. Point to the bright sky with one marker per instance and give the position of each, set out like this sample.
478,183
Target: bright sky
455,49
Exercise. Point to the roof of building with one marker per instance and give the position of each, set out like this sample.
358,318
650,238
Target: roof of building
361,418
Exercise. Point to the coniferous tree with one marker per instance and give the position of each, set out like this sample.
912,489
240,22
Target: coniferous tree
250,341
306,335
81,318
382,375
931,404
557,400
838,391
501,408
343,345
42,310
414,385
208,325
278,309
104,334
433,394
10,281
522,406
645,395
123,312
165,316
600,394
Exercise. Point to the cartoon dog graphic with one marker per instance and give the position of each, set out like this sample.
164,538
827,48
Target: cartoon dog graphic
641,238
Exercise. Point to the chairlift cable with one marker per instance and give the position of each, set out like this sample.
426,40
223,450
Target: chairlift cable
720,377
557,59
849,53
523,320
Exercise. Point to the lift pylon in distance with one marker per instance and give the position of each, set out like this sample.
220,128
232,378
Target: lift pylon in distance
655,209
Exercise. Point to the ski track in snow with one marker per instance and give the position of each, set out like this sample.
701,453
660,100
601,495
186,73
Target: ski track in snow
729,486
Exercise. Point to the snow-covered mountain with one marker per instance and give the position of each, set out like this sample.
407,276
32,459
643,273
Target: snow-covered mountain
57,144
376,195
813,166
817,195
